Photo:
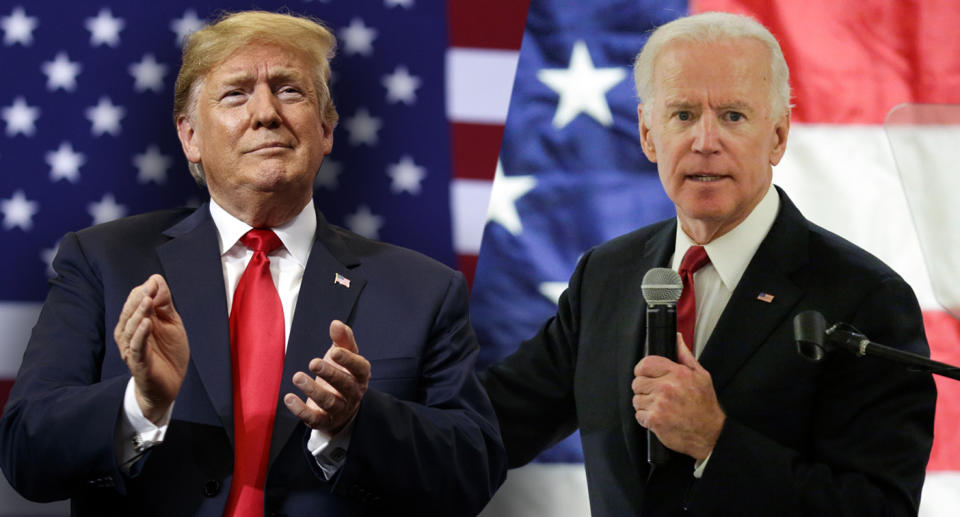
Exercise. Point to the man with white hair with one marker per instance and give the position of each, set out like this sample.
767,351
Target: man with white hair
168,372
755,429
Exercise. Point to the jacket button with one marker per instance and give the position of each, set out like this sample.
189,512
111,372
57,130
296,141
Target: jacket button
211,488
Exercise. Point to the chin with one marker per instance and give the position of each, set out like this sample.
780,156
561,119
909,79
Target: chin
708,210
267,175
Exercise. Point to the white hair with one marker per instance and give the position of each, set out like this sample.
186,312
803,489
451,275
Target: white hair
710,28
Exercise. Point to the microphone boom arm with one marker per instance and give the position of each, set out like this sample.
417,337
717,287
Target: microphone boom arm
848,338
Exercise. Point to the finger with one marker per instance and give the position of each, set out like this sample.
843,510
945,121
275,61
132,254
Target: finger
342,336
355,364
684,355
138,342
343,382
642,417
130,307
313,417
320,391
163,295
641,402
642,385
125,339
157,284
653,366
149,287
163,298
328,356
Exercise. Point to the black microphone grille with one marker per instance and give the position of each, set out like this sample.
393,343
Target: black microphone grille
661,285
809,328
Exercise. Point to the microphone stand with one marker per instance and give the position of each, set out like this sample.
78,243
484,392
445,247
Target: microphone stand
850,339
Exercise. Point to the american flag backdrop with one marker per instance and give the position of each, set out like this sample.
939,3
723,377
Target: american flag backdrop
571,175
421,86
63,168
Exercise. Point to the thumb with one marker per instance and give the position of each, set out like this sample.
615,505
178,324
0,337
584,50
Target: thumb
684,355
342,336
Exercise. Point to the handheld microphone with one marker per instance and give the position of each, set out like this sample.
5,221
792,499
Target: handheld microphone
661,288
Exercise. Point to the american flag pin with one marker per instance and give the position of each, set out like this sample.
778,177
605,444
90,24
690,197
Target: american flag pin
341,280
765,297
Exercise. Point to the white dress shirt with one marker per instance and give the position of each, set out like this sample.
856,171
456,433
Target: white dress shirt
136,433
730,254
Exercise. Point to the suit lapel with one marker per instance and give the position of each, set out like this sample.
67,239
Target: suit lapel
656,253
321,300
747,321
193,270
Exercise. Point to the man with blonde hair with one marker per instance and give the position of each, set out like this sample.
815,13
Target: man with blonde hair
247,358
753,429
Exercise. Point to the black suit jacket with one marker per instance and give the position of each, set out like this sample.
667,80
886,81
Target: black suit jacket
840,437
425,438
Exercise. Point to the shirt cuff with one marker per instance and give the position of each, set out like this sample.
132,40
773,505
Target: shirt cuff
330,451
135,432
701,466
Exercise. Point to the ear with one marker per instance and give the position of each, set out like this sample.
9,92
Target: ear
189,139
646,138
780,131
327,138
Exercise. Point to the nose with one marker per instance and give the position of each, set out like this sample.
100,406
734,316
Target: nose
264,108
706,138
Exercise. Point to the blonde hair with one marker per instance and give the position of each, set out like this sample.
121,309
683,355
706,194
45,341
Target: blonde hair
712,27
214,43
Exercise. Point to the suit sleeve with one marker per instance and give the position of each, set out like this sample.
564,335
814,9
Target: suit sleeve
870,436
440,455
57,430
532,389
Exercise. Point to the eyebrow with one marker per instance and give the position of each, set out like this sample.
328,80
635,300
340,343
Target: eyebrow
681,105
735,106
277,74
685,105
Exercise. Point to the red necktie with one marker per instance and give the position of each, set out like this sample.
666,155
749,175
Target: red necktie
257,349
695,258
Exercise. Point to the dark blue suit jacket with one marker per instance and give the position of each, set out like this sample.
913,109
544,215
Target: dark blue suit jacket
842,437
425,438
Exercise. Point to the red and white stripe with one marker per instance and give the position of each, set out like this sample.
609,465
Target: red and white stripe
481,61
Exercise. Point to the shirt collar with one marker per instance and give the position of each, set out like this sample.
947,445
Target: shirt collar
730,254
296,235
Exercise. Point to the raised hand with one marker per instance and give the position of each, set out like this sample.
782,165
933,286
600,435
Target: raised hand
153,343
334,395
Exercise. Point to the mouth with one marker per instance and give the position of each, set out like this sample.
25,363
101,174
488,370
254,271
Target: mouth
705,177
270,146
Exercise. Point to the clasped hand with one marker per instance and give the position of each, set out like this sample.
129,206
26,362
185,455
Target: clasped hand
678,403
333,396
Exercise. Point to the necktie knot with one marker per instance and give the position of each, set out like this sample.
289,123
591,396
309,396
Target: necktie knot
694,259
261,239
